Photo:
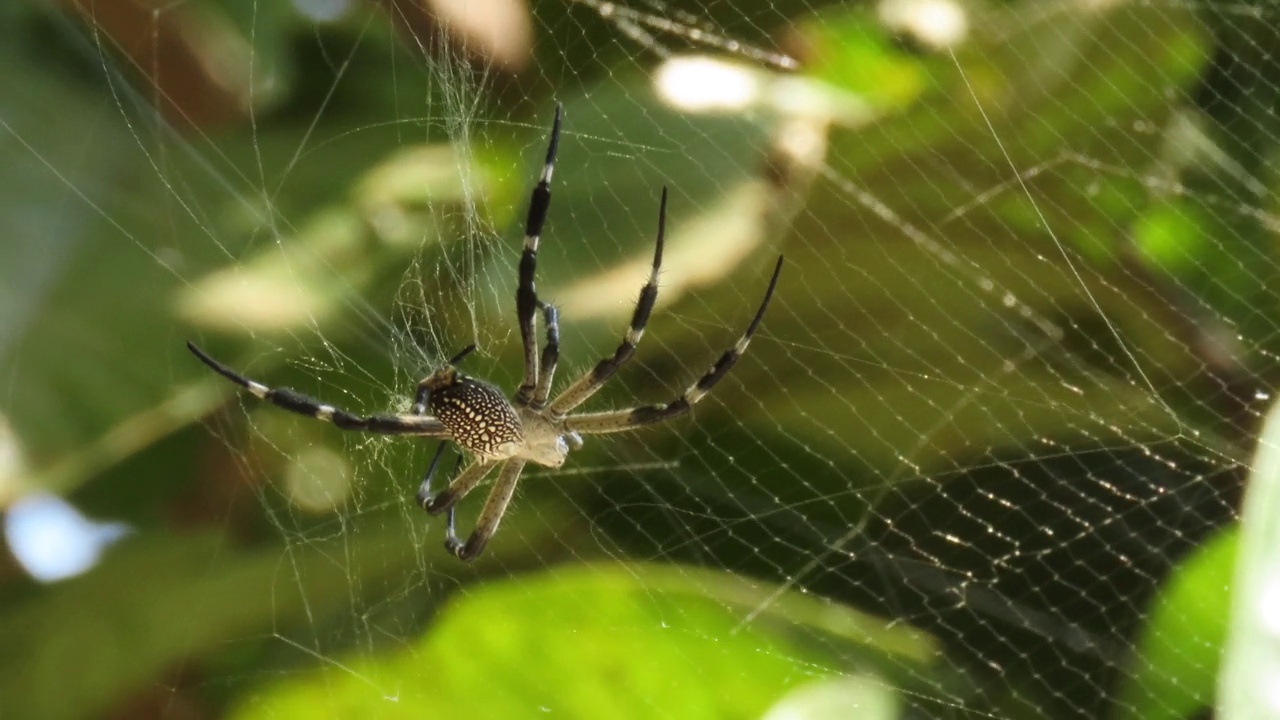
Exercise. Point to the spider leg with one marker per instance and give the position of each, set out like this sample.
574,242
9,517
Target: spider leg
293,401
490,515
425,490
465,482
550,355
621,420
586,386
526,293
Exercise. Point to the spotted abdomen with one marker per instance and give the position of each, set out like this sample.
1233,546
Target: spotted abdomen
478,417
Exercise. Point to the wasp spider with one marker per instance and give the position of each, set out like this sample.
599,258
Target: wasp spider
530,427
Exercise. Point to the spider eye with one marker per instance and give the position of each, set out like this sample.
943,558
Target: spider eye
479,418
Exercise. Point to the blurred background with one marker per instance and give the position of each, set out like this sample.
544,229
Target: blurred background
983,459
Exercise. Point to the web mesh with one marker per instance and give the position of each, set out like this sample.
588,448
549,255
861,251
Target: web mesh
1002,402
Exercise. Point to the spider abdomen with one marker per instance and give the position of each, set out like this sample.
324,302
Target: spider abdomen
478,417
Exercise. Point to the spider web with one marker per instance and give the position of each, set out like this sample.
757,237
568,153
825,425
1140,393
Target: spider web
989,438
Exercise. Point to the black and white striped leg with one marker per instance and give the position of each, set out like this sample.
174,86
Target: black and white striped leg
586,386
550,355
526,293
622,420
293,401
490,515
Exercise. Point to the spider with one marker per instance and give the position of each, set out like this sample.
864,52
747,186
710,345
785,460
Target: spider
528,428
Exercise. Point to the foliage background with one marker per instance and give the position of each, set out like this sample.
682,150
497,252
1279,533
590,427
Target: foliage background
856,520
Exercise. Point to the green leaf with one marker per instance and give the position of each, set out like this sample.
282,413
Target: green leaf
1251,661
1174,671
606,641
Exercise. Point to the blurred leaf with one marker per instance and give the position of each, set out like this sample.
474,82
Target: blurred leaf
949,292
1173,673
291,284
161,600
1251,658
605,641
1175,236
836,698
113,634
850,49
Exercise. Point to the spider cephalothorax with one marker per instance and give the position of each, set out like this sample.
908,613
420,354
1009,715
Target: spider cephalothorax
531,426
